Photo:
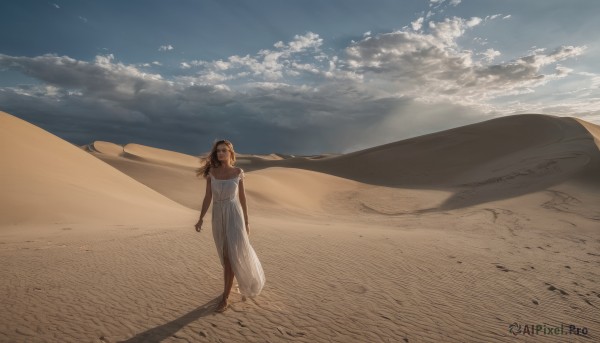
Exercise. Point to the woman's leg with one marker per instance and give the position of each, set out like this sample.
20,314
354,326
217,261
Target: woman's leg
228,276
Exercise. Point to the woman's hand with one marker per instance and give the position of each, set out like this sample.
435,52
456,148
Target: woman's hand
198,225
248,228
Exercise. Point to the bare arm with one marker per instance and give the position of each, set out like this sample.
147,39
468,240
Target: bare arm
207,199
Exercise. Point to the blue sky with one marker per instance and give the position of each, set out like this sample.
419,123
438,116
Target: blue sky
299,77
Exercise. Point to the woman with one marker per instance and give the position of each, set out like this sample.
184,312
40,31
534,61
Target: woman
225,185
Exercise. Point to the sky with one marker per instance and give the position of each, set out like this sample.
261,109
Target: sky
296,76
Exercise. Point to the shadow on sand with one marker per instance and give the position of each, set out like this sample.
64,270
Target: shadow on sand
164,331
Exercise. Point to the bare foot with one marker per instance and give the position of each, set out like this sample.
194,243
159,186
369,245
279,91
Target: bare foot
223,305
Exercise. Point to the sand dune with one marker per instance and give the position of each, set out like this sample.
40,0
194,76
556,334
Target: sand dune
269,157
106,148
491,160
446,237
266,189
47,180
455,156
496,159
593,129
151,154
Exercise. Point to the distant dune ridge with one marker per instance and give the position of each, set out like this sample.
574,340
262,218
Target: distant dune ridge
45,179
464,154
495,159
451,236
106,148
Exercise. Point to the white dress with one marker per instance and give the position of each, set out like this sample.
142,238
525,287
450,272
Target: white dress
229,233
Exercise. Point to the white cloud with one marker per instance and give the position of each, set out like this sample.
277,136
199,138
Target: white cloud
562,71
311,68
221,65
490,54
430,66
208,78
506,17
377,82
268,65
417,24
473,21
51,90
102,77
151,64
165,47
451,28
55,5
539,59
304,42
593,77
420,65
438,3
83,19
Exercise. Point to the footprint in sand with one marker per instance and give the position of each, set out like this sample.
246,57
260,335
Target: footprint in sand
503,268
552,288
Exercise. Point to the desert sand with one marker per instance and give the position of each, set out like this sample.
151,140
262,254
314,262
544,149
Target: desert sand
447,237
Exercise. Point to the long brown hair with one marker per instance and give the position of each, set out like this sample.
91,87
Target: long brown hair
211,161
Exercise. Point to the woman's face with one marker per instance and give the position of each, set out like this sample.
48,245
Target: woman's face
222,153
